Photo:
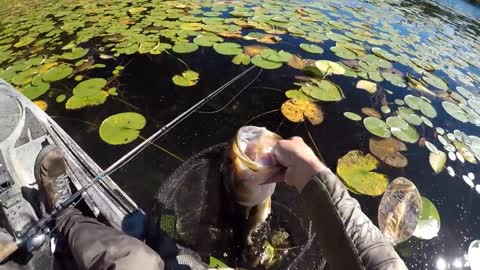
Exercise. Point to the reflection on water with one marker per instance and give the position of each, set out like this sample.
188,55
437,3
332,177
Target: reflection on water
423,35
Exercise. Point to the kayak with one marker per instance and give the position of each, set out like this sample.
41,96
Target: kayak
24,130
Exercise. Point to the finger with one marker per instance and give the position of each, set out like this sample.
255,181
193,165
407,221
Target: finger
278,177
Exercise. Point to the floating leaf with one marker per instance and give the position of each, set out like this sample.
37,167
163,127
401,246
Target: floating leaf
435,81
265,64
122,128
429,222
184,47
241,59
402,130
437,161
388,150
76,53
228,48
274,56
421,104
207,40
355,169
329,67
89,87
352,116
297,62
368,86
35,91
76,102
296,94
323,90
187,79
377,127
60,98
399,210
311,48
57,73
253,50
296,110
455,111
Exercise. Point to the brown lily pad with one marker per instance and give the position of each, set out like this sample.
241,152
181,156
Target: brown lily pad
388,150
371,112
296,110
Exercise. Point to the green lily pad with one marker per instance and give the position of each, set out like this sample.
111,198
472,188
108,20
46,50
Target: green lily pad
421,104
352,116
35,91
311,48
355,170
89,87
435,81
241,59
408,134
344,53
259,61
24,41
429,223
228,48
122,128
274,56
184,47
60,98
207,40
377,127
187,79
76,53
57,73
455,111
297,94
24,77
76,102
323,90
217,264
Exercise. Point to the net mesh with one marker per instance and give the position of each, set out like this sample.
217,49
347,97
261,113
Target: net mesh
191,208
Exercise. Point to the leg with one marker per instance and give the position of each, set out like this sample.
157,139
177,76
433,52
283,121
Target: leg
95,246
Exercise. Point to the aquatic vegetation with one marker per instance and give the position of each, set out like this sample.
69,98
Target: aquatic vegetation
352,116
388,151
377,127
186,79
355,169
122,128
296,110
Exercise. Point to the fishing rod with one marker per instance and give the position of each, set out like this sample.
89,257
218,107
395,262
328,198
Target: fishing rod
7,249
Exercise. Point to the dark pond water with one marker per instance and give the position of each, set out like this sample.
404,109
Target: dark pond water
145,87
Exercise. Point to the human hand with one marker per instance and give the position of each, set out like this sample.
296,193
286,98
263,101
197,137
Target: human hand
300,162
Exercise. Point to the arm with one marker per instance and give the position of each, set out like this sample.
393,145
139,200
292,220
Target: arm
349,238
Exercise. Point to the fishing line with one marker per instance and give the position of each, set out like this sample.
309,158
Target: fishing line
234,97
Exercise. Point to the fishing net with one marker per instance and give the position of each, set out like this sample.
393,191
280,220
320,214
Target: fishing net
191,208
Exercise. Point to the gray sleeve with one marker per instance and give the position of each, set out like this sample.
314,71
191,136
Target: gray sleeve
349,238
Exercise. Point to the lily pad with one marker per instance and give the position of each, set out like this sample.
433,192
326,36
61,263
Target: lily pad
352,116
122,128
399,210
388,150
76,102
296,110
400,131
311,48
455,111
207,40
76,53
356,171
184,47
329,67
241,59
57,73
371,112
187,79
429,222
323,90
89,87
228,48
265,64
437,161
60,98
377,127
274,56
435,81
35,91
368,86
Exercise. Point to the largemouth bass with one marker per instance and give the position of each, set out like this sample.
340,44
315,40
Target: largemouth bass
249,163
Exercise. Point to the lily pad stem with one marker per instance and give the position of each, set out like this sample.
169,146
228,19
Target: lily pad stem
313,142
